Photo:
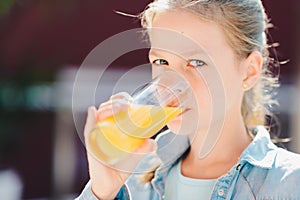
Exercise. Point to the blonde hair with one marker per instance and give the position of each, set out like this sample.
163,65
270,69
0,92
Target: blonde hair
245,25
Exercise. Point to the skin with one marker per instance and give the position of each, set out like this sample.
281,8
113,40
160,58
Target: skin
233,72
233,139
107,181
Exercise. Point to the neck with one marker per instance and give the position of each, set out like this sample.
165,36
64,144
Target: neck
219,150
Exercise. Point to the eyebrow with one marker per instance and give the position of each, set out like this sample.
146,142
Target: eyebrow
185,54
195,52
154,53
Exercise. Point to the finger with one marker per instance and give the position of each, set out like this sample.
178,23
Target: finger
111,108
122,95
107,111
115,102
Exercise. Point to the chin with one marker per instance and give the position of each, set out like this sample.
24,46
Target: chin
174,125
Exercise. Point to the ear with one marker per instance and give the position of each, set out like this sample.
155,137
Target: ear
253,66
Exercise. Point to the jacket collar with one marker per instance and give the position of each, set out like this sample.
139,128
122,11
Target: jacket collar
261,152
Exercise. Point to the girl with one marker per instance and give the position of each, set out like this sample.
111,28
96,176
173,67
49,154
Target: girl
243,163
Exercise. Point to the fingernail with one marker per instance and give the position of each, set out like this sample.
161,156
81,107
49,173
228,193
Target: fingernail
130,100
90,109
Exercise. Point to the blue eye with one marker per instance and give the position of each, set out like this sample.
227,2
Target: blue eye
196,63
160,62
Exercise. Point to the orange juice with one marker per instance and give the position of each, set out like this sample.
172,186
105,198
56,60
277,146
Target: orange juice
115,137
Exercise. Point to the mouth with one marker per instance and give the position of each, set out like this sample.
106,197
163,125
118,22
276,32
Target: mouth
183,112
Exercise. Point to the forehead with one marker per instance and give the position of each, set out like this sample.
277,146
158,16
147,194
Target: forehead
187,32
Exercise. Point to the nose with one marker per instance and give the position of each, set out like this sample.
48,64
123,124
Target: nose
172,88
177,62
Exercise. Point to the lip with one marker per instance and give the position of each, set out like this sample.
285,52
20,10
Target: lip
182,113
185,111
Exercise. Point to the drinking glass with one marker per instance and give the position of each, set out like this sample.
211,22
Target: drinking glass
154,105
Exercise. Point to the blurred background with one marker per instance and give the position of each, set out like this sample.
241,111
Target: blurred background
42,45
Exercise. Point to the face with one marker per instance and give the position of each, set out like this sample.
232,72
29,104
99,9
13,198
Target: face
210,60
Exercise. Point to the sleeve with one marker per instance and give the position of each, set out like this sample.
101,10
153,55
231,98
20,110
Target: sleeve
87,193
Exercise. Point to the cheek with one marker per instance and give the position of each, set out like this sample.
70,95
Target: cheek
202,103
232,81
232,77
200,88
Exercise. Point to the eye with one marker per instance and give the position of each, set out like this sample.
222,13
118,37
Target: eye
196,63
160,62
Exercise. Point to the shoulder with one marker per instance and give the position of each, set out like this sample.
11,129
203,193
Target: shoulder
277,181
283,177
287,165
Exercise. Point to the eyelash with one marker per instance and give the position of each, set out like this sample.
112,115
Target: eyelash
199,63
154,62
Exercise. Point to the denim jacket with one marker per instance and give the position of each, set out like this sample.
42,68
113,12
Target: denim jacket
263,172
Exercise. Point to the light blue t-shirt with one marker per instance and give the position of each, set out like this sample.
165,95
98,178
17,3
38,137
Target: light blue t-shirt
181,187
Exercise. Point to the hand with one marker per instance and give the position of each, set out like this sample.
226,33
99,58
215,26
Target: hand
107,181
